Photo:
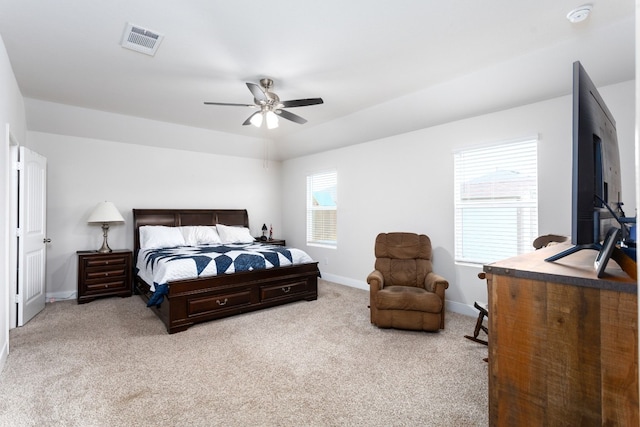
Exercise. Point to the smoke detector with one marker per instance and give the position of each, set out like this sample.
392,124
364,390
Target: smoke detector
141,39
579,14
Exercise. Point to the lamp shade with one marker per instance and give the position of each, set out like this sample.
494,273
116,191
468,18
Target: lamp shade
105,212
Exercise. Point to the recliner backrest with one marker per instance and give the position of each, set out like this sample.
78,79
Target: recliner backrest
404,259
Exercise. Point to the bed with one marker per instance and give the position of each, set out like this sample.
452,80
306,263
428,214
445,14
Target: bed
191,301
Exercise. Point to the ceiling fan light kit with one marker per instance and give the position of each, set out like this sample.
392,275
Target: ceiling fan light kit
270,106
272,120
256,119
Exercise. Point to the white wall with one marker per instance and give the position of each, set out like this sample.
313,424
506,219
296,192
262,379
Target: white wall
405,183
84,171
12,112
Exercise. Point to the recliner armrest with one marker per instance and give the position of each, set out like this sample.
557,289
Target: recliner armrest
435,283
375,280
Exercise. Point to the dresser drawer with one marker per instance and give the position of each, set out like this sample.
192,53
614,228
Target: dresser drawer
282,290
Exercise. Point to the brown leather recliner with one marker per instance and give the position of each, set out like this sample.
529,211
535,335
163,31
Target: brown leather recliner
404,291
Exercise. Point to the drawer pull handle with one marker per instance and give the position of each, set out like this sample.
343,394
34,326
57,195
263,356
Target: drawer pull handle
286,290
221,303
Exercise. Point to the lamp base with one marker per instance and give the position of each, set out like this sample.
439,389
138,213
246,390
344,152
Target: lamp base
105,246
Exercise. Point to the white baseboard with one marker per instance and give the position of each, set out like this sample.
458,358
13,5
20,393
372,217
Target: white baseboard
60,296
4,353
346,281
461,308
456,307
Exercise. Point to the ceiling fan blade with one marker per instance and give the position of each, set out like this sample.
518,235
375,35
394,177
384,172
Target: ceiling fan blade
301,102
290,116
248,121
229,104
257,92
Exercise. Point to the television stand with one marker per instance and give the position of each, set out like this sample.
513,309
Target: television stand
573,250
626,263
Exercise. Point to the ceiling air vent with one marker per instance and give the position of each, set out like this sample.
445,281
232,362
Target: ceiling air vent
141,40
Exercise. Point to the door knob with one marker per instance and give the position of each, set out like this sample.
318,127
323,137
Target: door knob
46,240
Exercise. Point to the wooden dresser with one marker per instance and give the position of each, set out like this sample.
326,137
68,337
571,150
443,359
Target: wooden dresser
563,344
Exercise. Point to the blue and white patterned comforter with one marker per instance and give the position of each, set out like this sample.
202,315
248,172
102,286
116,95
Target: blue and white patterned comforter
159,267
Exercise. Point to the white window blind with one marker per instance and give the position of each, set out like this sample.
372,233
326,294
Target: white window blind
496,201
322,208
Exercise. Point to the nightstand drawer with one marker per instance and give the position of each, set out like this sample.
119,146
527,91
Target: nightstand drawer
105,273
103,285
105,261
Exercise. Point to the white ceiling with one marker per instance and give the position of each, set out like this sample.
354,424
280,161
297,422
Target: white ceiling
382,67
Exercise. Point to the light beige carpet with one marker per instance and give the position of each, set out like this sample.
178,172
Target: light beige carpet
320,363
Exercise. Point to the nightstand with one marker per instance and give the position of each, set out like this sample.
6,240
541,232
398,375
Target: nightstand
276,242
104,274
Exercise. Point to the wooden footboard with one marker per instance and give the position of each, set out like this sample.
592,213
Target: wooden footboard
194,301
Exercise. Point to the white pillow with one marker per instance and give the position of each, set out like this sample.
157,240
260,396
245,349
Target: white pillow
189,235
160,236
234,234
195,235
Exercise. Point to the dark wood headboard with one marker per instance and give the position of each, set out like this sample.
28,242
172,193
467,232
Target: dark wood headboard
183,217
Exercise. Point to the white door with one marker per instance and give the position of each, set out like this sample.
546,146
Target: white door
32,240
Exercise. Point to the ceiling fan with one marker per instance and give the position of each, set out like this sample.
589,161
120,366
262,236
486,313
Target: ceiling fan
269,105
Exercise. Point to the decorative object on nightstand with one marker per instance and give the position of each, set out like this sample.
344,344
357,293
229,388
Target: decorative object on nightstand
105,213
271,232
104,274
264,232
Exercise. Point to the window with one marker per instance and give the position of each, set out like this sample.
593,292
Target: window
496,201
322,208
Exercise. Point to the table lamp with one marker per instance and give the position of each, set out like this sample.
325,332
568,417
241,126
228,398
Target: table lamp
105,213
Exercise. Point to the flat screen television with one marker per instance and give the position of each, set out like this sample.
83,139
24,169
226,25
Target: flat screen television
596,203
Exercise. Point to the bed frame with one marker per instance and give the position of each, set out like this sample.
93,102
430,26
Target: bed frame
199,300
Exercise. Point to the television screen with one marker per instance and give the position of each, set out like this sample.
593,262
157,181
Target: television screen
596,180
597,183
